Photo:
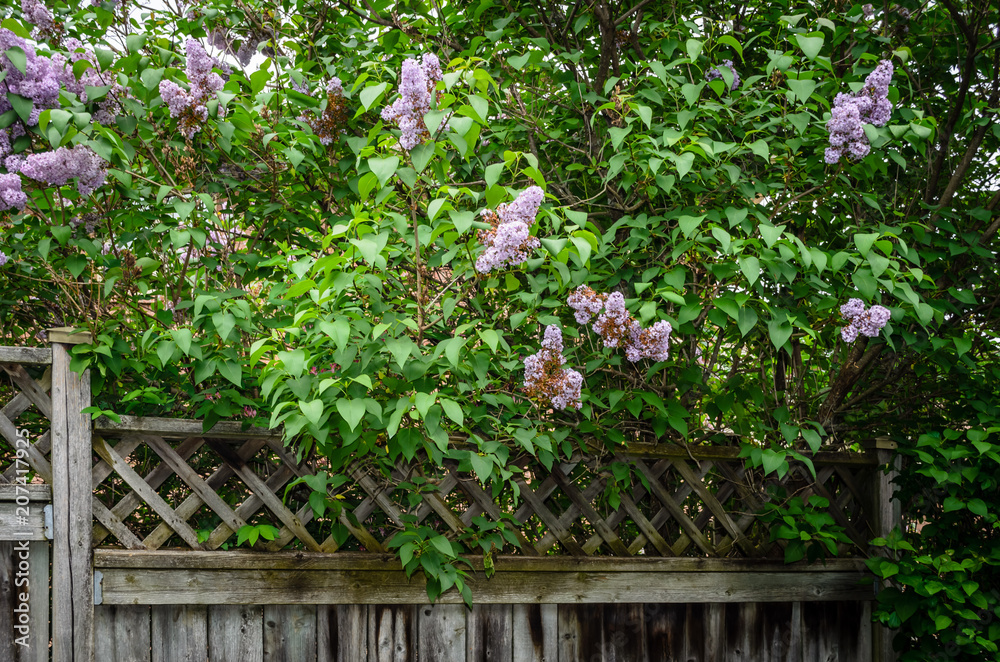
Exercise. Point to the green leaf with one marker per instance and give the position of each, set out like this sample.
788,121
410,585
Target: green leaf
313,410
761,149
384,168
688,224
371,94
21,106
17,58
352,410
864,242
684,163
771,460
423,402
750,266
453,410
232,371
801,89
771,234
747,320
780,332
183,339
811,44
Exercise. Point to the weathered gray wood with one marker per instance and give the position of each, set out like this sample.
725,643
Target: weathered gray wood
489,634
26,355
30,389
8,602
392,586
177,428
179,633
714,627
665,625
392,633
72,579
32,491
290,633
122,633
887,514
536,632
360,561
625,633
236,632
22,522
38,604
441,632
342,633
581,633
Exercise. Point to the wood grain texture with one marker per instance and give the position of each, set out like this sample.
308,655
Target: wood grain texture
489,634
392,633
38,603
290,633
342,633
392,586
179,633
26,355
536,632
13,527
72,514
122,633
441,632
236,633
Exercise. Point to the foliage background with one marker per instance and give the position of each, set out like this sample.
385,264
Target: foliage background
331,288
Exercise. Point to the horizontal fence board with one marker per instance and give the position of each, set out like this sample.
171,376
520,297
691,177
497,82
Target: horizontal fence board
22,522
362,561
253,586
180,428
26,355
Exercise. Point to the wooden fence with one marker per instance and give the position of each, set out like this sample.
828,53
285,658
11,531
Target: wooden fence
145,513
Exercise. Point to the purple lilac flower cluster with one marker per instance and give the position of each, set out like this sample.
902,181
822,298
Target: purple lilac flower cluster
36,13
509,240
56,168
3,257
617,327
714,73
850,112
40,81
189,106
544,377
11,195
416,85
868,322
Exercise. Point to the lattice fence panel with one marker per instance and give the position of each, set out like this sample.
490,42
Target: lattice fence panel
154,492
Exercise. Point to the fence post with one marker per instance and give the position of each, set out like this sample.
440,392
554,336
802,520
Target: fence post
888,514
72,513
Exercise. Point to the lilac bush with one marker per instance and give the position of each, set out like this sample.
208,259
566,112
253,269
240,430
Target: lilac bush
416,85
870,105
509,239
546,380
868,322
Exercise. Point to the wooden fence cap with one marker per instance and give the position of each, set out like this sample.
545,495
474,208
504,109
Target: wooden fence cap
70,336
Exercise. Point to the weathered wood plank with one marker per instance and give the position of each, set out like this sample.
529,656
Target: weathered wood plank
342,633
177,428
733,453
665,624
8,602
392,586
536,632
581,633
441,632
489,634
295,560
38,603
179,633
714,629
72,514
625,633
22,522
289,633
392,633
26,355
122,633
33,492
236,632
